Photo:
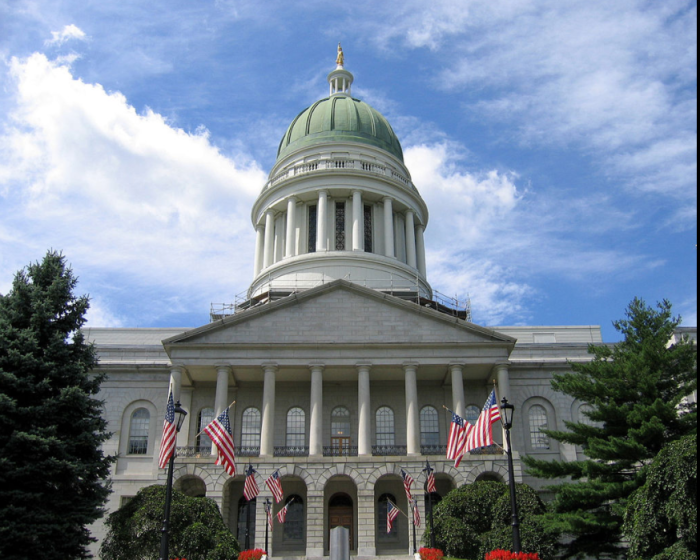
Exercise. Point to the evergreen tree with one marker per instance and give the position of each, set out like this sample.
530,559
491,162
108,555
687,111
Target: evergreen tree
636,391
52,469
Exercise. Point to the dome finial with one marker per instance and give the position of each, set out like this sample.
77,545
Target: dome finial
340,59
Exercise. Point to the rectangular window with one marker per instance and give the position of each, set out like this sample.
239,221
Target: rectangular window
340,226
368,228
311,248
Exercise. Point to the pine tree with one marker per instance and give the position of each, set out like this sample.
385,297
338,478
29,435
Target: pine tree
52,469
635,390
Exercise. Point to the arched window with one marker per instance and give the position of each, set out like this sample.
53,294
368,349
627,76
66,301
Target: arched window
538,421
294,524
296,427
206,415
138,432
250,429
381,519
340,430
472,414
243,520
429,427
583,417
385,427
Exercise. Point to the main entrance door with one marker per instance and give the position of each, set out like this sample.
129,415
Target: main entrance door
341,514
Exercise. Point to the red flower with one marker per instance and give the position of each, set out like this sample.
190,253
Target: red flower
431,554
256,554
507,555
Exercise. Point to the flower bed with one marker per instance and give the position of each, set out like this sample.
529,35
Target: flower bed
507,555
431,554
256,554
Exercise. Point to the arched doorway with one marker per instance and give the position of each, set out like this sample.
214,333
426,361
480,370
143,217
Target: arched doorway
341,514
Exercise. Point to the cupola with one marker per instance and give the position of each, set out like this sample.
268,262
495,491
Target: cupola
339,203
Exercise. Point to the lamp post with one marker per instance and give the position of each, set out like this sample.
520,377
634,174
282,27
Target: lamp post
268,515
507,415
180,414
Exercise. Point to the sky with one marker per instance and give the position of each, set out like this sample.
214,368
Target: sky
555,144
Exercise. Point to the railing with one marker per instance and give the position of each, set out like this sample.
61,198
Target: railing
490,450
291,451
248,451
338,163
332,451
433,449
389,450
194,451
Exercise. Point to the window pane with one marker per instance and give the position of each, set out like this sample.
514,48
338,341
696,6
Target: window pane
250,431
206,415
138,432
311,246
296,428
339,226
538,420
381,520
368,229
472,414
243,519
340,422
385,426
429,427
294,524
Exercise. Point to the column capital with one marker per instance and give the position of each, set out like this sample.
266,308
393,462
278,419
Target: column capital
269,366
316,366
322,192
388,199
292,198
178,368
223,367
363,365
410,365
500,365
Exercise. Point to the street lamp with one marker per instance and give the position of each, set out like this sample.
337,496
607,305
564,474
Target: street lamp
507,416
180,414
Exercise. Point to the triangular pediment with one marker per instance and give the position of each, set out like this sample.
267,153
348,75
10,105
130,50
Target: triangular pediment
340,313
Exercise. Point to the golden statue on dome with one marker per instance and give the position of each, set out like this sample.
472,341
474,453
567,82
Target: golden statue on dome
340,60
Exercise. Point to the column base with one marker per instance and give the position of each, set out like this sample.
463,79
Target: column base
314,553
367,552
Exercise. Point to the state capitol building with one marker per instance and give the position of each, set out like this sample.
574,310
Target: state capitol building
341,358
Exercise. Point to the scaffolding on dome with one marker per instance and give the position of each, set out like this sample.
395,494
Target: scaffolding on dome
453,306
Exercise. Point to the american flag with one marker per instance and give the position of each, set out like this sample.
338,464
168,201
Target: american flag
392,512
219,431
407,483
167,441
275,486
482,433
250,488
282,514
458,437
430,486
416,513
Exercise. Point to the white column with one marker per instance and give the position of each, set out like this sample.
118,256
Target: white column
316,425
221,398
420,250
267,437
259,249
269,249
322,222
457,389
364,411
503,378
412,414
176,381
388,228
290,242
410,240
358,229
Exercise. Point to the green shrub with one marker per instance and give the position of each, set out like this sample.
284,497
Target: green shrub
476,519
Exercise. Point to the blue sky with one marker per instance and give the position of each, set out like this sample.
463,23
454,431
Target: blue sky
555,144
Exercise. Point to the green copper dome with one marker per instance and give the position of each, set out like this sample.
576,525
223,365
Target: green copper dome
340,118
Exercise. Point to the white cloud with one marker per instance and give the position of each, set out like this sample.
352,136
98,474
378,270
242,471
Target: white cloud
68,33
122,194
615,79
